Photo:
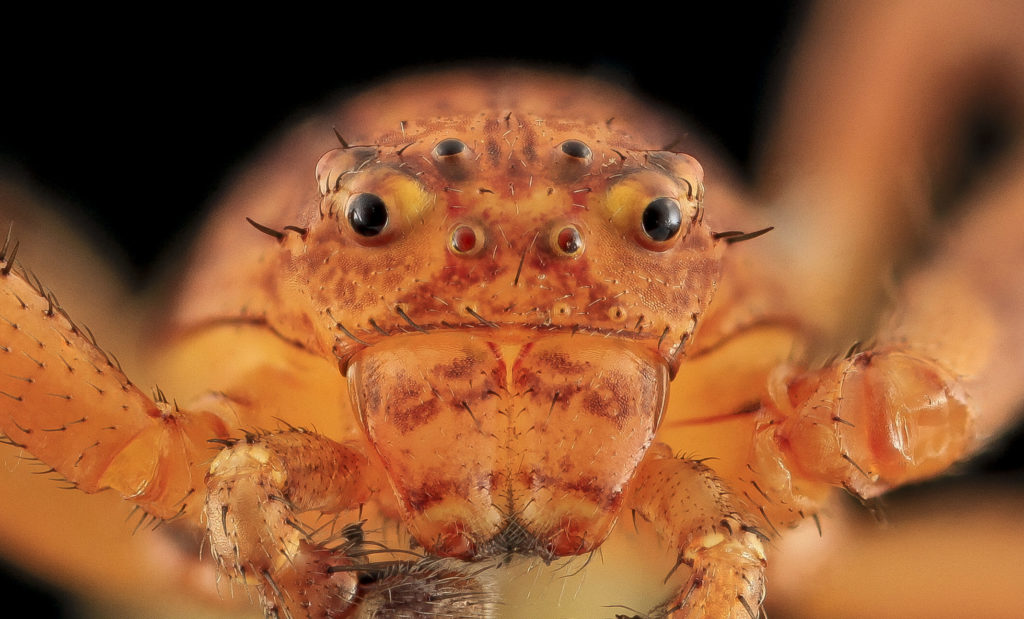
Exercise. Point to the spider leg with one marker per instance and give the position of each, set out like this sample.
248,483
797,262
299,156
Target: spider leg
695,512
941,379
68,403
257,489
856,177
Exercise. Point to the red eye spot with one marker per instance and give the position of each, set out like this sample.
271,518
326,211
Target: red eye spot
463,239
569,240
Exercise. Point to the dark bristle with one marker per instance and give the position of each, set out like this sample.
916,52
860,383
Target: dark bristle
277,234
341,140
738,236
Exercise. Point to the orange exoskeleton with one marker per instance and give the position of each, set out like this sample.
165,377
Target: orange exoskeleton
505,315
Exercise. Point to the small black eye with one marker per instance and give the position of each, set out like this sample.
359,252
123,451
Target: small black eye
576,149
449,147
662,219
367,214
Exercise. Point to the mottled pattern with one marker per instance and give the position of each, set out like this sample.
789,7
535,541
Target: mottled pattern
513,373
505,434
507,277
517,183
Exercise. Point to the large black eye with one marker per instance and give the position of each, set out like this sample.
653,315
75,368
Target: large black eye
662,219
367,214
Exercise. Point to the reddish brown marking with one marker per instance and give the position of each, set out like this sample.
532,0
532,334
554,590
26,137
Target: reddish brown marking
614,406
500,369
563,363
435,490
459,367
494,151
517,365
408,418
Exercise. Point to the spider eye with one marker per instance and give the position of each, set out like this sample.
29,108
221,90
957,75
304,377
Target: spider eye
576,149
569,241
466,240
367,214
662,219
449,147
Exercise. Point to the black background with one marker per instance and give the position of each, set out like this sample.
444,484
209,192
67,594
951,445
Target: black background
138,128
84,96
